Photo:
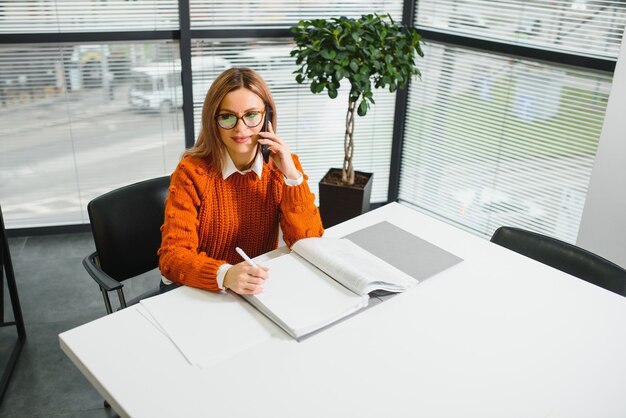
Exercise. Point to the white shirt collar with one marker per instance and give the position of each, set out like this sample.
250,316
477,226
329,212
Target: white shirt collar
229,166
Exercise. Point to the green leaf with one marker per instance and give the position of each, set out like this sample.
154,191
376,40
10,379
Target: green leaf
362,110
354,65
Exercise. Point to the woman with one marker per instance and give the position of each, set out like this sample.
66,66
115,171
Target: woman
222,195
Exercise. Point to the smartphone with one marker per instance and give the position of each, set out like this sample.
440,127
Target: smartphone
265,149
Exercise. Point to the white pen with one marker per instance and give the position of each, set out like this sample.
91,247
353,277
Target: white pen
245,256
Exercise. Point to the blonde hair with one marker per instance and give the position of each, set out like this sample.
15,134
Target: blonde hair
209,145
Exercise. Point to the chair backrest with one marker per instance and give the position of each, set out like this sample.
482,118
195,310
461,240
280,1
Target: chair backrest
126,225
563,256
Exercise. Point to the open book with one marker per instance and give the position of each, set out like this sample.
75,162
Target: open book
321,281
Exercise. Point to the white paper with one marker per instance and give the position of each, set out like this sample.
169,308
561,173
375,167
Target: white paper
207,327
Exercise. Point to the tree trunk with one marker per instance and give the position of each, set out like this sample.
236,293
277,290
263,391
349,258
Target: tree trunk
347,174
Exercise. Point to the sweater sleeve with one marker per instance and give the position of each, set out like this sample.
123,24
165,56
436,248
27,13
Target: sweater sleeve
179,259
300,217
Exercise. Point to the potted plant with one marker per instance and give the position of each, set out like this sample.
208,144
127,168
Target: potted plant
369,52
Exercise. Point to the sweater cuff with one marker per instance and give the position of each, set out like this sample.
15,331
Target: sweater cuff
296,182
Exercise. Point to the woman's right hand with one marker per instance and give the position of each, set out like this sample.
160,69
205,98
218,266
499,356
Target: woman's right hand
245,279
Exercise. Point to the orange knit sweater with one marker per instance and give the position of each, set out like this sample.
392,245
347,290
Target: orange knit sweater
206,217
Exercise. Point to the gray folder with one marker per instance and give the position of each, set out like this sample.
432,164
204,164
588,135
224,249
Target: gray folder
416,257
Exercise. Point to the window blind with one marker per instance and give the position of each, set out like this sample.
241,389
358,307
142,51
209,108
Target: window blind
210,14
49,16
78,120
584,27
312,124
494,140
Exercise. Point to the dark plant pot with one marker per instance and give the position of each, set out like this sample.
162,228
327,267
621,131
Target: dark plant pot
339,203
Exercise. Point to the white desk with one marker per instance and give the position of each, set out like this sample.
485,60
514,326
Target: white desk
497,335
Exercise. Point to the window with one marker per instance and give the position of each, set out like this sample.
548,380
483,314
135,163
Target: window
585,27
81,118
269,14
78,120
493,139
48,16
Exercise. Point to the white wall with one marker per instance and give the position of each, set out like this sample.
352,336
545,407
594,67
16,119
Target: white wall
603,224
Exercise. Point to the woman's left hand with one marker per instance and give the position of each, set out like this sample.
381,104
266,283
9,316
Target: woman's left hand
280,155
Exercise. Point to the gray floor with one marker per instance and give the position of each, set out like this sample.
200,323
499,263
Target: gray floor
56,295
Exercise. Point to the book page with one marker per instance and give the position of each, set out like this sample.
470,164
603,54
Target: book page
351,265
301,298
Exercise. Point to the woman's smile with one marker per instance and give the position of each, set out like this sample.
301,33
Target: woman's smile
241,139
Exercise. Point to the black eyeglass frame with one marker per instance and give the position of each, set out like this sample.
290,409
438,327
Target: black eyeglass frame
262,112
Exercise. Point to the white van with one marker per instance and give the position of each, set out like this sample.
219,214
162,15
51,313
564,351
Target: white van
157,87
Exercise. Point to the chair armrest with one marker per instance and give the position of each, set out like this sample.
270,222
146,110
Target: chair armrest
104,280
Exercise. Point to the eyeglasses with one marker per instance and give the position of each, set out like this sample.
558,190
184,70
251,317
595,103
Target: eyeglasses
251,119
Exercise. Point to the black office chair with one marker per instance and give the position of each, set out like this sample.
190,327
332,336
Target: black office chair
563,256
126,225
